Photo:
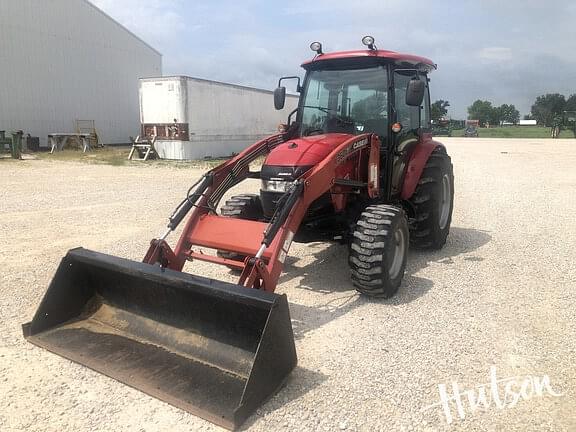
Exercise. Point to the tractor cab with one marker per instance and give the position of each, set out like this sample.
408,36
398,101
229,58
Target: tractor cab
363,91
350,93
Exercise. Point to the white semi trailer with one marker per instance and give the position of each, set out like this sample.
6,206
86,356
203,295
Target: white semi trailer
194,118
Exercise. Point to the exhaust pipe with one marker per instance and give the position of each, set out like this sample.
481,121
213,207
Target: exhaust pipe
212,348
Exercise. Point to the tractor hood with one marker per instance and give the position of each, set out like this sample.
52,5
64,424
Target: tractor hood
305,151
289,160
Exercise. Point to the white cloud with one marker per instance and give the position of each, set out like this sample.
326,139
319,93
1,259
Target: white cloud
358,8
155,21
495,54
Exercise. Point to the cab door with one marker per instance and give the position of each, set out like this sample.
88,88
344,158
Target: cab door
415,126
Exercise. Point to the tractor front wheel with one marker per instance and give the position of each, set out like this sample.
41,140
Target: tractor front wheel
432,203
246,206
379,250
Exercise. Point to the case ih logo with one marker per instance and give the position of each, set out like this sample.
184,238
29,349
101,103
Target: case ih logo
361,143
346,152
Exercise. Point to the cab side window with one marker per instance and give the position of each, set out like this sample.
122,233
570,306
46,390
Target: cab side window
411,117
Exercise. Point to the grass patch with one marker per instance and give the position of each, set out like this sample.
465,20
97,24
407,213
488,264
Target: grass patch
118,156
108,156
515,132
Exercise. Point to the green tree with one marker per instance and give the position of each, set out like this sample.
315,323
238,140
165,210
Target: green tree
482,111
547,107
439,109
370,107
570,103
496,116
509,113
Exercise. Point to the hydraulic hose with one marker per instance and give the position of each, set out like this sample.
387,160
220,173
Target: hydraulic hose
190,200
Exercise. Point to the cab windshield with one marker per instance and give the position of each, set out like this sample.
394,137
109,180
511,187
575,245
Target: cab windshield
352,101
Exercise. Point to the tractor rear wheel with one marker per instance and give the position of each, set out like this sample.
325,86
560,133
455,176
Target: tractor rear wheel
432,202
379,250
245,206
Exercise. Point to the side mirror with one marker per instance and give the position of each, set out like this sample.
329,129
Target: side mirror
279,97
415,92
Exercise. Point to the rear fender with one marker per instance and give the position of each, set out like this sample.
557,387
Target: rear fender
416,164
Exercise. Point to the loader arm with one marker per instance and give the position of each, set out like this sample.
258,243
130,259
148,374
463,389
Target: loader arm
202,199
265,245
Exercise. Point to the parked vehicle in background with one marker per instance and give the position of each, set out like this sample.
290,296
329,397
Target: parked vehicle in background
194,118
471,128
442,127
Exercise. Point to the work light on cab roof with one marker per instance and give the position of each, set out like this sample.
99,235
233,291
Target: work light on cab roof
369,42
316,47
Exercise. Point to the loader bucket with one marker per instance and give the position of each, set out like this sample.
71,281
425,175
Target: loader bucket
215,349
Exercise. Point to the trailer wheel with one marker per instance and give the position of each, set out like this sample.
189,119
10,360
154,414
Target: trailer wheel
432,202
246,206
379,250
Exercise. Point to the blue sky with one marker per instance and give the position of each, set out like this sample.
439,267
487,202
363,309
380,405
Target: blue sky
505,51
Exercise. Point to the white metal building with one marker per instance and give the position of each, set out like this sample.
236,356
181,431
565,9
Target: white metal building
63,60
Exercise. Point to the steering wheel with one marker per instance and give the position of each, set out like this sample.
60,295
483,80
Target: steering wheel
313,131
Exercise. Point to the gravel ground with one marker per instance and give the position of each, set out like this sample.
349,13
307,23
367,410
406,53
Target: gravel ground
501,293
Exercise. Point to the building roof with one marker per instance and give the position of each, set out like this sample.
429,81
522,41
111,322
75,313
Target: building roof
203,80
384,54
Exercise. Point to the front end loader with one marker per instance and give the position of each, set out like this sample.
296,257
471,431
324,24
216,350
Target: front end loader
357,165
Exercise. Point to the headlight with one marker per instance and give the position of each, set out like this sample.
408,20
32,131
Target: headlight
276,185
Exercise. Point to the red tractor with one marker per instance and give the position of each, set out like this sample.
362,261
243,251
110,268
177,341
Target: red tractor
355,164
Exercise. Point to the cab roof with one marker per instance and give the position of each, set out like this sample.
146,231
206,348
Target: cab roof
405,60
